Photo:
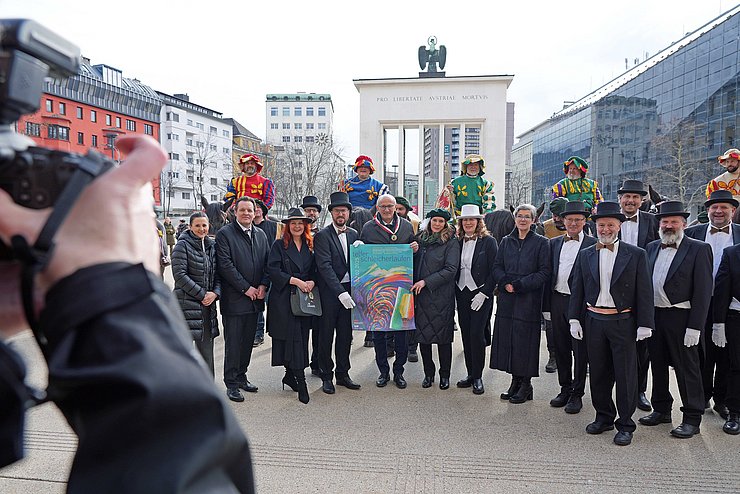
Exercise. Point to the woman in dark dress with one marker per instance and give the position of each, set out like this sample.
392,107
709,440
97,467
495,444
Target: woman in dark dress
435,267
474,287
291,267
521,270
197,285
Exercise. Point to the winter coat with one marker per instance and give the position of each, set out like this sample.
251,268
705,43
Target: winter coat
170,230
194,270
434,307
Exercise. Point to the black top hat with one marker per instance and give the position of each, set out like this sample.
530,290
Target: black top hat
339,199
671,208
296,214
721,196
574,207
608,209
634,187
311,202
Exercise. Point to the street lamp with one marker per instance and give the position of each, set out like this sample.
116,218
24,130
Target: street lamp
111,135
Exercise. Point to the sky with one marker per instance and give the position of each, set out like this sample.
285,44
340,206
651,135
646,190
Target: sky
227,55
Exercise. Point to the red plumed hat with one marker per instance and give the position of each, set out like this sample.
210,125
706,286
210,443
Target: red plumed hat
363,160
251,157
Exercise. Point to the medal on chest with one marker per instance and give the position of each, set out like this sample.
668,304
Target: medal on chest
393,232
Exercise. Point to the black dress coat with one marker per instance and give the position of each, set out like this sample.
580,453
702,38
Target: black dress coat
516,331
556,247
434,307
647,229
194,270
727,283
484,258
289,332
331,265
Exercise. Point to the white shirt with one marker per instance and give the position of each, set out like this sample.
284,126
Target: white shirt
662,265
718,241
466,264
565,264
248,230
735,304
343,240
630,229
606,269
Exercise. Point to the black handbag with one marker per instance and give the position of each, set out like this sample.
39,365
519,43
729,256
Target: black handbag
305,304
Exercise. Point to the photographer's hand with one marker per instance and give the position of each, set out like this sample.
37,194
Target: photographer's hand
121,197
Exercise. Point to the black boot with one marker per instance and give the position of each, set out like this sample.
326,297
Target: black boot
524,392
289,380
516,382
551,365
300,378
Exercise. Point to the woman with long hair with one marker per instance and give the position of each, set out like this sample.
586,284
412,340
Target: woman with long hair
291,267
435,267
197,285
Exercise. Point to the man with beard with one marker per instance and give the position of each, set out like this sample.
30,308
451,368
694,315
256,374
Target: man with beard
611,305
730,179
719,233
312,207
575,186
640,228
471,188
250,183
682,289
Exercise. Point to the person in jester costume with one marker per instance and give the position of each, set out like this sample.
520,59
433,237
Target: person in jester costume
576,187
362,189
250,183
471,188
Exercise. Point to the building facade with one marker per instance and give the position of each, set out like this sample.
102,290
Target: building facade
298,118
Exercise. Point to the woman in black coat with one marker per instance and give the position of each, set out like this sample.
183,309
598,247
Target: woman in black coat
291,267
521,270
474,292
435,266
197,285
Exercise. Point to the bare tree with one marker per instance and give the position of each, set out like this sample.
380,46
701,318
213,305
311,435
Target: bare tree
208,168
519,189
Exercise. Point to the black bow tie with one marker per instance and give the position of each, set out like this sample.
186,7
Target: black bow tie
724,229
668,246
568,237
632,218
600,246
341,231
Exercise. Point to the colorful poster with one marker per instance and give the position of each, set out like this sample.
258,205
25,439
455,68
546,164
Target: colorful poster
382,276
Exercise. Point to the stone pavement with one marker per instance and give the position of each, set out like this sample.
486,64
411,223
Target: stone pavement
382,440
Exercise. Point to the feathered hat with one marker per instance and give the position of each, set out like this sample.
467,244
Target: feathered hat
363,160
474,158
251,157
579,162
729,154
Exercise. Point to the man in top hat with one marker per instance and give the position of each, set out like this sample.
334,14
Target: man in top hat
639,228
250,183
471,188
682,288
611,305
363,190
563,252
312,207
331,248
575,186
719,233
730,179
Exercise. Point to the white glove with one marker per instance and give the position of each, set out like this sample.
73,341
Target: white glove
718,334
691,338
576,331
478,301
643,333
346,300
357,242
547,316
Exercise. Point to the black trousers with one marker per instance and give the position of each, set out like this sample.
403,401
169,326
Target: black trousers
643,365
473,326
336,329
732,331
205,348
238,340
612,354
568,350
315,342
667,349
400,344
714,365
445,359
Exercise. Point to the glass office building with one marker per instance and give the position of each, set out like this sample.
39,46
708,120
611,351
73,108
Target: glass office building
664,121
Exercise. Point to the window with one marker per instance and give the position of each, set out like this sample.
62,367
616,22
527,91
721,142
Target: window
214,181
309,111
273,126
58,132
49,105
174,156
286,138
213,130
149,130
190,122
33,129
108,119
130,125
190,176
111,140
173,137
322,126
79,112
118,122
225,133
309,126
93,116
309,139
191,160
199,145
214,147
172,116
226,150
286,126
186,195
322,111
200,126
62,108
286,111
80,138
94,141
173,174
298,111
190,142
273,111
298,126
297,138
214,197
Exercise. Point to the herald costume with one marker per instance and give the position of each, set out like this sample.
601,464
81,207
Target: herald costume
473,190
255,186
363,193
581,189
728,180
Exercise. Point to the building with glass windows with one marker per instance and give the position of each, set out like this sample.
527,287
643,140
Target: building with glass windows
664,121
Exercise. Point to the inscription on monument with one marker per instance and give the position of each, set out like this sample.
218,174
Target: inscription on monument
440,97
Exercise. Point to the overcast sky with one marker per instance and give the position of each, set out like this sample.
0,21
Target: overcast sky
227,55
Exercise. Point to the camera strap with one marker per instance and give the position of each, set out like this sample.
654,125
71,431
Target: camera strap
35,258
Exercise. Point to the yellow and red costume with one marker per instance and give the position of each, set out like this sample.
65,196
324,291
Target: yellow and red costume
728,180
255,186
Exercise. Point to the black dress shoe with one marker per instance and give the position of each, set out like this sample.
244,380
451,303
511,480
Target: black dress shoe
655,418
368,344
234,394
382,380
561,399
551,365
444,382
391,353
643,403
427,382
347,383
623,438
248,387
465,383
400,382
732,426
721,409
413,357
685,431
328,387
574,405
478,388
598,427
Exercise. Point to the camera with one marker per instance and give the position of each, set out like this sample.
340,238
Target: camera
34,177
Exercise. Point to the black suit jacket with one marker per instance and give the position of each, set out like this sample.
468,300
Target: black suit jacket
556,246
330,261
727,283
689,277
631,286
647,229
484,256
699,232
